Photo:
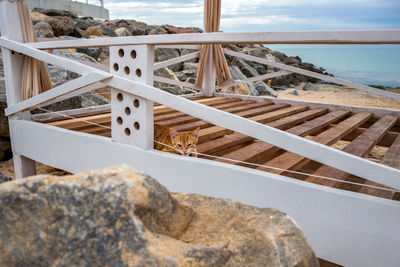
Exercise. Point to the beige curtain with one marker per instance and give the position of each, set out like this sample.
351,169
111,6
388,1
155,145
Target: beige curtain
35,77
212,13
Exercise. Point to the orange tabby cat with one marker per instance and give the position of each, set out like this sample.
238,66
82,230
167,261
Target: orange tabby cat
183,143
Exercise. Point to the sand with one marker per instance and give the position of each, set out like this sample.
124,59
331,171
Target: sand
342,96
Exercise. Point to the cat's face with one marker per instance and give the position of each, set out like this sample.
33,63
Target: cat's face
184,142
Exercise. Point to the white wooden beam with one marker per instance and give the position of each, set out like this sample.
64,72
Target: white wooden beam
190,47
51,116
292,37
208,86
315,75
10,27
56,92
343,227
62,62
176,60
85,89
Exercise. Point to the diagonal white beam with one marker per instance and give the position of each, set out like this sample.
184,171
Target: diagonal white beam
57,92
176,60
314,75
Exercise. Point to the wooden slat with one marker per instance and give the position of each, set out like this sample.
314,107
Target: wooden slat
219,106
230,107
291,161
160,110
78,124
392,159
267,107
238,138
217,131
361,146
257,151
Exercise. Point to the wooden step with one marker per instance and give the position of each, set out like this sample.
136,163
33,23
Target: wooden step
392,159
245,114
227,108
175,115
218,131
255,152
292,161
360,147
162,110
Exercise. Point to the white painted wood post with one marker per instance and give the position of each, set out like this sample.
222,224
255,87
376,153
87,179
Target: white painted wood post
208,86
132,116
10,26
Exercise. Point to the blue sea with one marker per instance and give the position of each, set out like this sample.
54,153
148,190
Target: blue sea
366,64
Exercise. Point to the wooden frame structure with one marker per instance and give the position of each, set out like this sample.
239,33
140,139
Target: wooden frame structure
344,227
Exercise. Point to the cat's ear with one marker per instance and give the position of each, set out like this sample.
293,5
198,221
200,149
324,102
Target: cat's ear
196,133
173,133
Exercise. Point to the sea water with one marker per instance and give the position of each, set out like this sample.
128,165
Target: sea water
365,64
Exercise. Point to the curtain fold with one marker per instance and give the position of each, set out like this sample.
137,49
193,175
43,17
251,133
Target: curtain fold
212,18
35,77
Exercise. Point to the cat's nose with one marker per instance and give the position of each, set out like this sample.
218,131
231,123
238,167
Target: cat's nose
185,153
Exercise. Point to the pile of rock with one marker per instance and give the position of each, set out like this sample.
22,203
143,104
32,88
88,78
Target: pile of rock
56,23
118,217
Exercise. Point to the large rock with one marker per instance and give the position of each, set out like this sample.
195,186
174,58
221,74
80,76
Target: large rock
178,30
123,31
55,12
4,178
265,90
61,25
255,236
5,149
4,130
311,87
167,73
43,30
118,217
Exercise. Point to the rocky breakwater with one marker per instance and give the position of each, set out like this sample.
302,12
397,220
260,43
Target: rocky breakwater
58,24
118,217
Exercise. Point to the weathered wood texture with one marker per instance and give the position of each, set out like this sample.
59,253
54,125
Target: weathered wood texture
319,124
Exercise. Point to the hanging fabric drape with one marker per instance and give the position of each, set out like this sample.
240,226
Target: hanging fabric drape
35,77
212,17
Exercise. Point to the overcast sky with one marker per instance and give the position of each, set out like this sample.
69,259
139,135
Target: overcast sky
265,15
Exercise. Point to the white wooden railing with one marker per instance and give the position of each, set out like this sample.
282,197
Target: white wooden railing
323,213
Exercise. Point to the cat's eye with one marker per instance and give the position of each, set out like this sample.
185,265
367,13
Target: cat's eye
189,144
180,145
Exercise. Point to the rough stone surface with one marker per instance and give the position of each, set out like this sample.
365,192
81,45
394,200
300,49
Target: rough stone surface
118,217
5,149
178,30
263,89
4,178
61,25
4,130
155,29
55,12
311,87
167,73
123,31
43,30
243,89
254,236
293,92
94,31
